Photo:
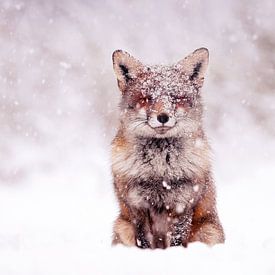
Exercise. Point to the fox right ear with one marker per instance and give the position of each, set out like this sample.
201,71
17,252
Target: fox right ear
195,65
126,68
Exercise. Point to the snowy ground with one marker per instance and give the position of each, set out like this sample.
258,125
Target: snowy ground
60,222
58,113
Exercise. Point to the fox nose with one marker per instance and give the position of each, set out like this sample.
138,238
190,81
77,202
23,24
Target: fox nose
163,118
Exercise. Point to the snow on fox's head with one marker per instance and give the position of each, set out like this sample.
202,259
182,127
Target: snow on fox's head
161,101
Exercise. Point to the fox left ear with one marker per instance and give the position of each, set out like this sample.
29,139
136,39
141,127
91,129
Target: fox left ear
195,65
126,68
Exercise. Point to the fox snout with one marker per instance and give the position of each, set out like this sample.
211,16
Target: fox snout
163,118
161,121
159,117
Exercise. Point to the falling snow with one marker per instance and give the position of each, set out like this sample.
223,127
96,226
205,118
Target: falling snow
180,208
58,115
166,185
196,188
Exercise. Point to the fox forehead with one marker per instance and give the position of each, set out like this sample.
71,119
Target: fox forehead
162,81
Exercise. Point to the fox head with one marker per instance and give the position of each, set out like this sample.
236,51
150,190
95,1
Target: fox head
161,101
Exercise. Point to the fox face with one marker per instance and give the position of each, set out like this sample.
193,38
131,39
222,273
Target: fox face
161,101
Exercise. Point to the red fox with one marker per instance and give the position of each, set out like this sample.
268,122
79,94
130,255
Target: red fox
160,155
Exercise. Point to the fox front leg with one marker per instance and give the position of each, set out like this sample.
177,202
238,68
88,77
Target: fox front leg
141,240
181,230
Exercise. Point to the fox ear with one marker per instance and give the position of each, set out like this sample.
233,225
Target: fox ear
195,65
126,68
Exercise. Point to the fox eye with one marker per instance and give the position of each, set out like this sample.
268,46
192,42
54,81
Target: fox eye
145,99
182,101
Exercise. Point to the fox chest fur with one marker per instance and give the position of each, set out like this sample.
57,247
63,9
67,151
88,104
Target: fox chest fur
158,174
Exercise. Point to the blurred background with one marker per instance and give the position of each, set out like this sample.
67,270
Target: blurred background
58,89
59,97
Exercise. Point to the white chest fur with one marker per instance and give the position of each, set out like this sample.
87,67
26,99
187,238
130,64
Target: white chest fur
166,158
158,169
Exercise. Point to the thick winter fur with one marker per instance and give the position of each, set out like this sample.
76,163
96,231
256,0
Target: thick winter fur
160,156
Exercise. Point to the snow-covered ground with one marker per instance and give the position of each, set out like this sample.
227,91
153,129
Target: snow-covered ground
58,114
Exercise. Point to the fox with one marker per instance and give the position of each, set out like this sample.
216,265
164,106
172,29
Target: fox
160,155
